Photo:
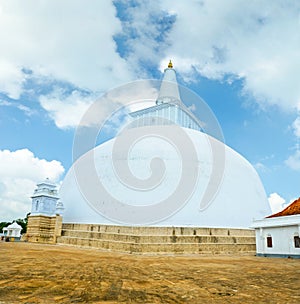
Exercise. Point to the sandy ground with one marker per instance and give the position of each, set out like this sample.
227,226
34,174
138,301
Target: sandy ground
35,273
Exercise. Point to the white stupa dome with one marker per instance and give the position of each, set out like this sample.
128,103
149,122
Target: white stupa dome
239,199
153,182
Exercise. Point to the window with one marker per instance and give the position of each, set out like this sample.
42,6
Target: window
297,241
269,242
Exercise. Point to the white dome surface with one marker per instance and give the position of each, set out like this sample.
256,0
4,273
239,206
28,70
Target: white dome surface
239,196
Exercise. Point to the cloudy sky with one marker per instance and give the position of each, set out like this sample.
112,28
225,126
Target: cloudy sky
57,57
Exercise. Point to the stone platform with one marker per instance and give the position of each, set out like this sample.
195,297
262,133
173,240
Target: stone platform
43,229
159,240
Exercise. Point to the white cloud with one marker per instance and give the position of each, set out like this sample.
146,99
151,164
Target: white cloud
11,77
145,31
19,172
256,41
296,127
276,202
67,110
26,110
66,40
293,161
260,167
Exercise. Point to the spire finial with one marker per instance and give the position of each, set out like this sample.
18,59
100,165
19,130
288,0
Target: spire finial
170,65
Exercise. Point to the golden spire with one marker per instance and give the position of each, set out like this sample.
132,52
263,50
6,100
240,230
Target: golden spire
170,65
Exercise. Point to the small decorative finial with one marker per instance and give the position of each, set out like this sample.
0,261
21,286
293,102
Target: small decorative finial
170,65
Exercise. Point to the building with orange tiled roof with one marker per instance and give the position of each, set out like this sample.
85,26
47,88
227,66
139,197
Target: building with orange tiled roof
278,234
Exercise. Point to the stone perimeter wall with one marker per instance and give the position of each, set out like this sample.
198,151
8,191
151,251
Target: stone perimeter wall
155,240
159,240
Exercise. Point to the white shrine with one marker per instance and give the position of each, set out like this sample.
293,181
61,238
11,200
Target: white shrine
12,231
45,200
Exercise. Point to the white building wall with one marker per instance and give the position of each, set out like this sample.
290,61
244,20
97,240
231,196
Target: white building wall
282,230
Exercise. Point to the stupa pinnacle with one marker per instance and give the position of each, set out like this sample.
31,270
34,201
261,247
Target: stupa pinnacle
169,92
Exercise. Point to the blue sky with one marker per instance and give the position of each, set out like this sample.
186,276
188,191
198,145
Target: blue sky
57,57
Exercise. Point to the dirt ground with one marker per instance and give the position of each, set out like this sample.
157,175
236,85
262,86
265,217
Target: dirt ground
35,273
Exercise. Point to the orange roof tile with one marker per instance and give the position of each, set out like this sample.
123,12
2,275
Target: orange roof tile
292,209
